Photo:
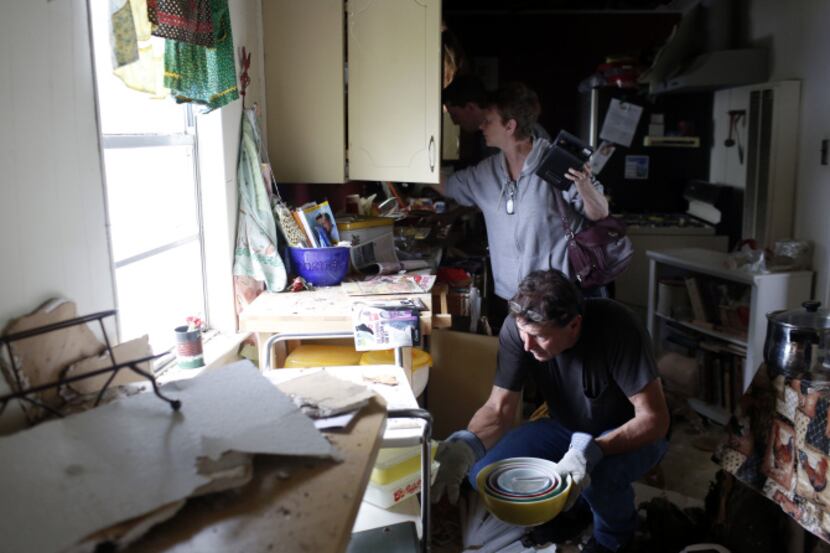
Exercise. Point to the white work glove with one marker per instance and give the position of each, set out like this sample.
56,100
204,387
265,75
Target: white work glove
580,459
456,455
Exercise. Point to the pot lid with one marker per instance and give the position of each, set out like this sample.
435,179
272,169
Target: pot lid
809,316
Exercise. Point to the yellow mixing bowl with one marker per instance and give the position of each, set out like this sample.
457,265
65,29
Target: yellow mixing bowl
525,513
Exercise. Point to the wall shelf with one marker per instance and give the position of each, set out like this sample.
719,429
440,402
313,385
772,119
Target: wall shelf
671,141
726,337
767,292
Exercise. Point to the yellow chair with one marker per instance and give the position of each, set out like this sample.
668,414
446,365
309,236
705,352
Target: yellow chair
321,355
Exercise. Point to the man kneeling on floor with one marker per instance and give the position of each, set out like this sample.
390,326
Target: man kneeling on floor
593,363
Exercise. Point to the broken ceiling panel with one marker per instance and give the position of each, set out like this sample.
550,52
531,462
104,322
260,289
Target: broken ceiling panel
134,349
130,457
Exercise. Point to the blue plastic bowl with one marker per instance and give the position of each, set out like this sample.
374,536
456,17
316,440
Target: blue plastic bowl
321,266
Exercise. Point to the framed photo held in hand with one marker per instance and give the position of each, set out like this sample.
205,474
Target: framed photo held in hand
566,152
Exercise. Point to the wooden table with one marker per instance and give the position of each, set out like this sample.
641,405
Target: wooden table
321,310
291,505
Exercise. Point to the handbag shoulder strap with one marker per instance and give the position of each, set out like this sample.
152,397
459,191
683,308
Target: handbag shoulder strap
566,223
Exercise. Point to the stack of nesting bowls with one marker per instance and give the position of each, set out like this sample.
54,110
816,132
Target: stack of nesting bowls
524,491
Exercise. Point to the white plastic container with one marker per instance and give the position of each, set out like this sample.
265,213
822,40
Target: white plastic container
396,463
390,494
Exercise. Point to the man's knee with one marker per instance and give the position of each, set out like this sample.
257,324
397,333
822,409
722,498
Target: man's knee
617,472
605,478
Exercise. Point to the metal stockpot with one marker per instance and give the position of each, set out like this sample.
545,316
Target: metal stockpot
798,342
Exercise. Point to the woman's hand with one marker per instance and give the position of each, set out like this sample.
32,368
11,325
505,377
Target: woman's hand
596,206
581,178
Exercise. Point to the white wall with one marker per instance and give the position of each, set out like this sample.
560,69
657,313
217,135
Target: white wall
53,239
218,134
53,234
796,34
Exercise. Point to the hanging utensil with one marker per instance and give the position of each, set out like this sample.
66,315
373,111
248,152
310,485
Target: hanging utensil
735,116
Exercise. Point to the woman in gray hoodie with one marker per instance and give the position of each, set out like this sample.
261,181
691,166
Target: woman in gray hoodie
524,229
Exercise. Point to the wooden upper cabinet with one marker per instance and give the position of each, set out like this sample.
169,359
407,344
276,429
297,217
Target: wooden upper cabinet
304,91
393,90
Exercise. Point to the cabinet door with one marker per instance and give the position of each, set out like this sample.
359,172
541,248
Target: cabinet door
394,84
303,45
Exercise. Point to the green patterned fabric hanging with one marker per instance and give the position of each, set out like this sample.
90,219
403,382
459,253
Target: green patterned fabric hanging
204,75
257,254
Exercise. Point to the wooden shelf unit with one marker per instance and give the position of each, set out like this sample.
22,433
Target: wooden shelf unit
768,292
726,337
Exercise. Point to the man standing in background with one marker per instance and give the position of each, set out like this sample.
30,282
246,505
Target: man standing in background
465,99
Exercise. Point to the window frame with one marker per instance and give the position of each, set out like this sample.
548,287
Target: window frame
188,137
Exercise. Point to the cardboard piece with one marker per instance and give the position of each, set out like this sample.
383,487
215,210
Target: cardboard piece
321,395
292,505
125,533
134,349
231,470
41,358
13,418
375,377
461,378
130,457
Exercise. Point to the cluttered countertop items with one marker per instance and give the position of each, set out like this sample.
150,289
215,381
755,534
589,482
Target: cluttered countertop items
373,252
369,237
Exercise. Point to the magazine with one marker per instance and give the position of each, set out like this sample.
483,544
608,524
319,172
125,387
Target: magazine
390,284
379,250
378,257
318,222
302,222
380,328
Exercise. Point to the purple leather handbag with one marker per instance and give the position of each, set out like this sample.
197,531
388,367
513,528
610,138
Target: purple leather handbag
600,252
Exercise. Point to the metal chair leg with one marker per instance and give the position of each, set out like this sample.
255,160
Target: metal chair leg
426,463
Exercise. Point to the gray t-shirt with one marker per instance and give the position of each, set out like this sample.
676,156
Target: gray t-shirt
586,387
532,237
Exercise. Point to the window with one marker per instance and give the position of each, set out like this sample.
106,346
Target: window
153,202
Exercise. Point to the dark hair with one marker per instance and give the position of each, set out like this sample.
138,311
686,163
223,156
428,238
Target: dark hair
463,89
518,102
547,297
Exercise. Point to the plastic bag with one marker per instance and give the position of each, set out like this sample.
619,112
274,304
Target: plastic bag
790,255
748,257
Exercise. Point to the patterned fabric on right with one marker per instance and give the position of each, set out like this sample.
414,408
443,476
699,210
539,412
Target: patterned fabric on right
779,444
